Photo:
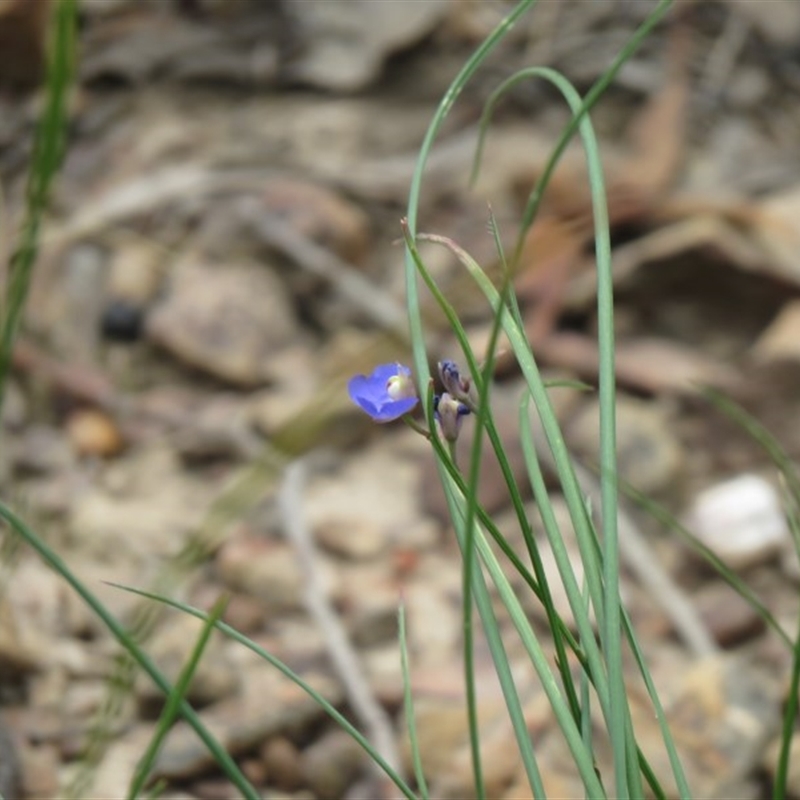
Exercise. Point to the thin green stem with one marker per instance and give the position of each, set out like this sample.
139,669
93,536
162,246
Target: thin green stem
408,704
481,378
446,104
172,707
48,151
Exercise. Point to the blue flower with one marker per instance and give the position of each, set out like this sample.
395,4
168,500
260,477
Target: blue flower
385,395
449,414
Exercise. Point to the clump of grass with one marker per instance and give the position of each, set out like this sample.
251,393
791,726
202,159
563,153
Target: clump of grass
601,661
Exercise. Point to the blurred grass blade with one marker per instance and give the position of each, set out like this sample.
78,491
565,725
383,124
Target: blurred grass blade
607,605
780,786
174,699
220,755
408,705
48,151
671,524
791,481
332,712
781,781
760,434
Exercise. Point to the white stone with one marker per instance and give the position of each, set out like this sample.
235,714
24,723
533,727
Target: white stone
740,520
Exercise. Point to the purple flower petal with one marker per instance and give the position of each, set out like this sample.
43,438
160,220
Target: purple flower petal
372,394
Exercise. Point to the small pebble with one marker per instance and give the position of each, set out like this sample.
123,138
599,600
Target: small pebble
121,321
93,433
332,764
730,619
283,763
740,520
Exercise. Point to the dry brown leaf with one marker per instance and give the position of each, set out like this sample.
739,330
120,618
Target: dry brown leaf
650,365
782,338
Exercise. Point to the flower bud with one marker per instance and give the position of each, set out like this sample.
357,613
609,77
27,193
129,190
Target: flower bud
454,384
450,414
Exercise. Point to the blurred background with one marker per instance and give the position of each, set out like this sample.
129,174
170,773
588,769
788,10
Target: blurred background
220,255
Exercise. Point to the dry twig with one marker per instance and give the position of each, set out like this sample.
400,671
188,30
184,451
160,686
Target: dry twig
307,254
377,725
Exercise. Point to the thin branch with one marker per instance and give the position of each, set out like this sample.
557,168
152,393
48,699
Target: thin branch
376,722
307,254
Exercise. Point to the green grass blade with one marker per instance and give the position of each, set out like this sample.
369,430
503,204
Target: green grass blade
223,759
586,536
587,730
455,494
591,99
408,705
561,709
780,785
495,642
172,707
47,154
684,792
572,492
582,757
485,419
506,293
575,595
446,104
332,712
760,434
610,624
670,523
447,462
791,480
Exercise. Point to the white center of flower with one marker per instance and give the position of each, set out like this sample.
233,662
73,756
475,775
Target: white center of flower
399,387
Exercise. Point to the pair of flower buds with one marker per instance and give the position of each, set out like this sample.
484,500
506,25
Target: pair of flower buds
389,393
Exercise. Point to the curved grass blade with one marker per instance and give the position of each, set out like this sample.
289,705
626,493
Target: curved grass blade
591,99
332,712
662,515
446,104
610,620
221,756
581,521
173,705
